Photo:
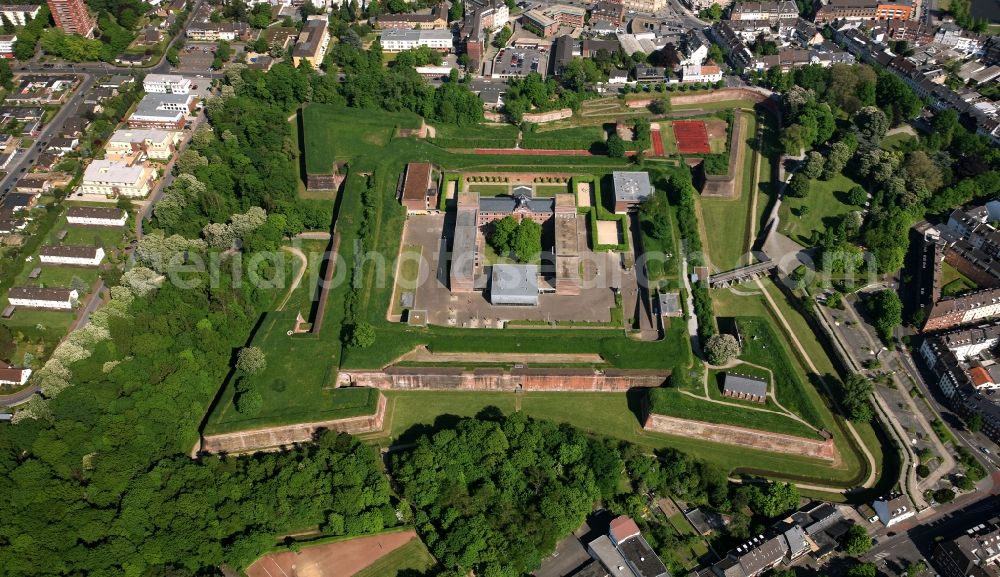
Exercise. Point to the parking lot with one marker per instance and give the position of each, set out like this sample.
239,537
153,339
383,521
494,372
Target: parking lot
197,56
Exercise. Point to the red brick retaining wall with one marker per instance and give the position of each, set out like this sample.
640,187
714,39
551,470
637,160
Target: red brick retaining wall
432,378
753,438
276,437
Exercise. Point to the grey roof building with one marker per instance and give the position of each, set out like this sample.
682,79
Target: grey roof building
514,285
631,188
743,387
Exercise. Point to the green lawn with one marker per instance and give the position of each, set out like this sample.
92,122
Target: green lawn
304,296
407,274
411,413
551,189
489,189
478,136
297,385
954,283
896,141
827,205
577,138
334,133
727,221
673,403
410,559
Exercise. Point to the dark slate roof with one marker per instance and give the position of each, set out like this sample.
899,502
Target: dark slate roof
747,385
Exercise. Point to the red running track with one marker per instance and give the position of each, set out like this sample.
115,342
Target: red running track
541,152
657,143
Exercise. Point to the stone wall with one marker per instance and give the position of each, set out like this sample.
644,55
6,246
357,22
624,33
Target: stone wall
282,436
541,117
527,379
752,438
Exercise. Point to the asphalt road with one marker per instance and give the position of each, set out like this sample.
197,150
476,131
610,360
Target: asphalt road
26,159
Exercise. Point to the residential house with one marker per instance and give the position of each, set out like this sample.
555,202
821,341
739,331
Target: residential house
71,255
114,178
43,298
312,42
893,509
155,144
166,84
396,40
96,216
11,375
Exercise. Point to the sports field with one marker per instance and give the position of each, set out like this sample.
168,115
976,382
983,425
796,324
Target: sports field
692,137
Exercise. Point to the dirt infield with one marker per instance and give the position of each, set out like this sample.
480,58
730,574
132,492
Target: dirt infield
657,140
607,232
691,137
340,559
753,438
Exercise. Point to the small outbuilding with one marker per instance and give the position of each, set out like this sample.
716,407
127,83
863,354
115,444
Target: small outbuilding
737,386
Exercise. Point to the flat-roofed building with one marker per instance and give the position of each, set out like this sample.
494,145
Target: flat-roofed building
772,12
395,40
540,23
645,6
166,84
464,258
972,554
154,143
312,43
631,188
71,255
20,14
163,111
858,10
43,298
7,44
96,216
115,178
514,285
437,18
72,17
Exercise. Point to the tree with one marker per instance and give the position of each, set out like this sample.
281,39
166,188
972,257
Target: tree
251,360
863,570
944,496
857,390
814,165
249,402
616,146
721,348
457,11
502,235
527,241
713,13
857,196
502,37
964,483
886,311
660,106
974,423
871,124
856,541
798,186
774,499
362,335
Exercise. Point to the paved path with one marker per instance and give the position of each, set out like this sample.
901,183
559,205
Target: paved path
947,461
692,320
870,481
298,276
19,397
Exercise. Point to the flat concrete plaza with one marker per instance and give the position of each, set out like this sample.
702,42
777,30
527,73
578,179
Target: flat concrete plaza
599,274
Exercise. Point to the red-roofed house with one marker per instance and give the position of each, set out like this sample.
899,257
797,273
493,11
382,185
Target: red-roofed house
10,375
622,528
418,194
980,377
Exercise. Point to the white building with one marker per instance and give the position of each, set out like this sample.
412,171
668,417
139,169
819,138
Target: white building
400,40
893,510
167,84
701,73
43,298
114,178
11,375
71,255
19,15
951,35
7,43
155,144
96,216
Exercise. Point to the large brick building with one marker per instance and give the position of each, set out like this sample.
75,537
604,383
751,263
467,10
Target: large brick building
72,17
858,10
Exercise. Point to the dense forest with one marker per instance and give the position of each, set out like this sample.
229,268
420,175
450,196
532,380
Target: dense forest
495,493
843,113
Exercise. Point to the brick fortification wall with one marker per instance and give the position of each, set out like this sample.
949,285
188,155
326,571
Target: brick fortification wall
282,436
753,438
433,378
